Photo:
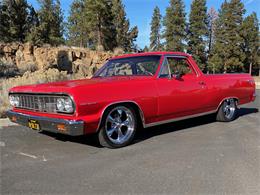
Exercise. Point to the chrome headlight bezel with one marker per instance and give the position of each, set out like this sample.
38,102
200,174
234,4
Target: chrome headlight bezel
14,100
65,104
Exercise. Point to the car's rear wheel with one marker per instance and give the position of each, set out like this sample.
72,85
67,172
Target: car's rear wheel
118,127
227,111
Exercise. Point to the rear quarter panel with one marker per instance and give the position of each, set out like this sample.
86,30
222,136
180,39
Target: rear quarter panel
222,86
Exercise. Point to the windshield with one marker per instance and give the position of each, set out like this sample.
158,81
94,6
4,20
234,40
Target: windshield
145,66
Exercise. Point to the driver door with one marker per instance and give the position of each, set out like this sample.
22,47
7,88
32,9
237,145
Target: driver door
178,96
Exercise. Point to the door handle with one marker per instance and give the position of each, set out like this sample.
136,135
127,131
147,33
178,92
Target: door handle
202,83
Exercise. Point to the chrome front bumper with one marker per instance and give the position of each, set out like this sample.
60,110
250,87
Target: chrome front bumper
69,127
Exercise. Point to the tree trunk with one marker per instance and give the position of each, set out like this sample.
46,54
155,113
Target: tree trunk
250,68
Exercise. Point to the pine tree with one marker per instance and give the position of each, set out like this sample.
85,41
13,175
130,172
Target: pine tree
77,31
57,30
121,23
155,35
99,20
124,35
250,34
14,14
131,38
146,49
228,55
4,23
50,29
174,23
198,32
32,23
212,17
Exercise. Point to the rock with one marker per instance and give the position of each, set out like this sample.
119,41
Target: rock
28,57
64,62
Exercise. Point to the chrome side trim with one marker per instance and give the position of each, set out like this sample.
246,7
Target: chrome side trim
178,119
122,102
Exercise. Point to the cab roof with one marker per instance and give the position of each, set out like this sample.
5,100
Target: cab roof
161,53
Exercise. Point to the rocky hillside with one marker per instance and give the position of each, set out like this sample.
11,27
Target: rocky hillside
22,64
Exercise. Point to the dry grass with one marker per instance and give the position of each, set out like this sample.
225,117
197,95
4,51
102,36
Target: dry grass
257,79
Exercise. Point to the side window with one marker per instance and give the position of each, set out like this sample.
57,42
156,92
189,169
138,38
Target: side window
165,71
179,65
123,69
146,68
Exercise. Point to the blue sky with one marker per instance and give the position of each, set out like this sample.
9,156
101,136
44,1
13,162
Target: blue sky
140,12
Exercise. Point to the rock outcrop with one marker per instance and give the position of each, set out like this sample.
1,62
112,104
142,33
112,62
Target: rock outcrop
74,60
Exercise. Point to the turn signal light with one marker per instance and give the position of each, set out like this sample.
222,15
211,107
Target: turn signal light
61,127
14,119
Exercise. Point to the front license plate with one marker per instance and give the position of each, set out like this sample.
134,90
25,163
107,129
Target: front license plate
33,124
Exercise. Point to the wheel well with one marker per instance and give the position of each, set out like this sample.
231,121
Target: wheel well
235,98
134,106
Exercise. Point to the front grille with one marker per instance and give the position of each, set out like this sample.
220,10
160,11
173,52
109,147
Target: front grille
38,103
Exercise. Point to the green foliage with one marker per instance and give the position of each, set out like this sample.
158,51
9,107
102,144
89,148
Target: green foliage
100,24
15,20
99,20
198,32
50,29
77,32
227,52
174,23
251,42
155,35
124,36
4,23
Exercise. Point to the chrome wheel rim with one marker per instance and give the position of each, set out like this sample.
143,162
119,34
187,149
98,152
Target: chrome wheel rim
120,125
229,108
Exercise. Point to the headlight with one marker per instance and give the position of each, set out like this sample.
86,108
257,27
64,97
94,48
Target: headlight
14,100
64,104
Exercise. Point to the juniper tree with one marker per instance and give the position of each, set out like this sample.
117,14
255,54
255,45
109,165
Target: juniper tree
174,24
198,32
155,35
228,55
250,35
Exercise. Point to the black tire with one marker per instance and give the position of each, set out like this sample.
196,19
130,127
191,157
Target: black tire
227,111
107,141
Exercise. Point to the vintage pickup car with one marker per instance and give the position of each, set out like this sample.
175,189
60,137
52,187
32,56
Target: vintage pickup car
130,92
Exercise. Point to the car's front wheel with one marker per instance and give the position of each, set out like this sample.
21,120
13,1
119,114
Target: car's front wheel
118,127
227,111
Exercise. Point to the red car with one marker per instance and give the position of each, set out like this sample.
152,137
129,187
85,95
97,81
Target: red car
128,92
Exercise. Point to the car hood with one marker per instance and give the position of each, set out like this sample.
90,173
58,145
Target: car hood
69,86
